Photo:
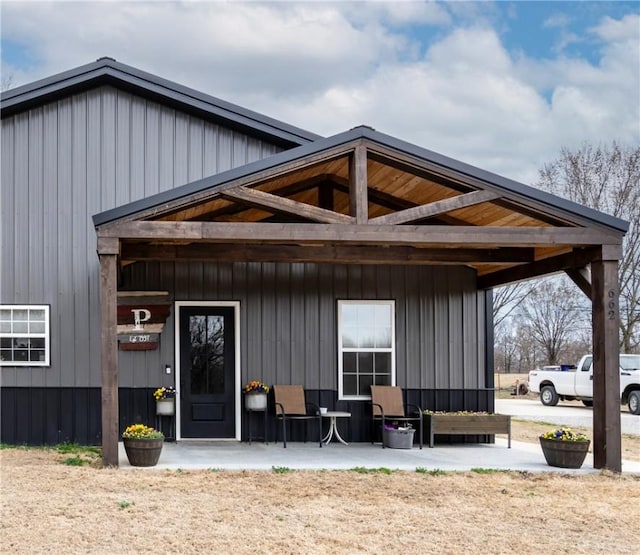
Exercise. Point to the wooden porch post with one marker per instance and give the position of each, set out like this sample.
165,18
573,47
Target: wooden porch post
108,255
607,448
358,184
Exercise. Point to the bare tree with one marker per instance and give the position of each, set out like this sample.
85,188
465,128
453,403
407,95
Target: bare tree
506,355
551,314
607,178
6,82
507,299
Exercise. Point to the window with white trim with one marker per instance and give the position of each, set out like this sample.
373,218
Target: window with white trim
24,335
366,347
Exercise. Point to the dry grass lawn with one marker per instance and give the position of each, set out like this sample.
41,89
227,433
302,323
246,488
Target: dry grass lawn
50,507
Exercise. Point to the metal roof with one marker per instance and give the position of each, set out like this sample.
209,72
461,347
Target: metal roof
513,190
107,71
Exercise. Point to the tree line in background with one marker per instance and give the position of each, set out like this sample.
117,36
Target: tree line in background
548,321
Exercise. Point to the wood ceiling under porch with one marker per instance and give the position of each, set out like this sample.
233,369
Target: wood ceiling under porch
366,198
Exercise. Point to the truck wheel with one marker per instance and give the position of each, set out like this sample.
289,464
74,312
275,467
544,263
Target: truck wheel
634,402
587,402
548,396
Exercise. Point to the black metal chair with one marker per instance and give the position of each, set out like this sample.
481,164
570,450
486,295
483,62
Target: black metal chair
387,407
290,405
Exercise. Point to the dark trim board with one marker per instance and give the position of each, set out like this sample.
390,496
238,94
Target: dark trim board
49,416
53,415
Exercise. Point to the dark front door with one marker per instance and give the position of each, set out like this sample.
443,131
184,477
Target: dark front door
207,372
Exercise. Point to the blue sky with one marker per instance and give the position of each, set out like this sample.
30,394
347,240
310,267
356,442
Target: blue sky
546,29
502,85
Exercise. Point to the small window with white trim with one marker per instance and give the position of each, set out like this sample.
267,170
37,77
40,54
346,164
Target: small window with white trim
366,347
24,335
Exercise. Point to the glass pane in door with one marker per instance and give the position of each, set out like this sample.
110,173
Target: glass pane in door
207,354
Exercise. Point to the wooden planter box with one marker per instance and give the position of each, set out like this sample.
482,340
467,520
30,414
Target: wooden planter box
467,424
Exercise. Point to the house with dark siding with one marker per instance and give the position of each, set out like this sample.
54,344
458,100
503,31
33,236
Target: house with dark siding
153,235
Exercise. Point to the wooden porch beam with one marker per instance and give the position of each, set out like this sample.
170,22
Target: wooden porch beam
358,203
435,208
109,357
343,254
607,446
108,245
578,258
410,235
325,195
283,205
582,278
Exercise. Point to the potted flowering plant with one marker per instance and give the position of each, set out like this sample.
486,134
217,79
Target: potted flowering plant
164,393
255,395
564,448
165,400
142,444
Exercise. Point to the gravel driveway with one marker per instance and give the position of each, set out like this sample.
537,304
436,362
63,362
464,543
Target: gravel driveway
563,414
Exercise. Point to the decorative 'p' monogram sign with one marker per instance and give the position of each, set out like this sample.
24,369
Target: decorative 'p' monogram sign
140,315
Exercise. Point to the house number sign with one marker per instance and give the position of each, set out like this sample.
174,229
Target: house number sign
139,326
611,305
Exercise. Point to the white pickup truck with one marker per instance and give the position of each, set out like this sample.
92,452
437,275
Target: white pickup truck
577,383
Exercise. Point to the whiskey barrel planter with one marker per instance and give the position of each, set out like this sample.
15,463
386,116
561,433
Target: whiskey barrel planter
564,454
467,424
143,452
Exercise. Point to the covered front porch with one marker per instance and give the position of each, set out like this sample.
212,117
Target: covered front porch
365,199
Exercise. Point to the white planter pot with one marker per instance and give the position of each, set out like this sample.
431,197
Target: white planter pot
255,401
166,407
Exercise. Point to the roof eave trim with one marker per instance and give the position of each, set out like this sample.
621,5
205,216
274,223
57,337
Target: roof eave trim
142,81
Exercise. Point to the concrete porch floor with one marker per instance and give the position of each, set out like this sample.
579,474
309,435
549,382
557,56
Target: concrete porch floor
192,455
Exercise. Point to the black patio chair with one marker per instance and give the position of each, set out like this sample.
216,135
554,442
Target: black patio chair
290,405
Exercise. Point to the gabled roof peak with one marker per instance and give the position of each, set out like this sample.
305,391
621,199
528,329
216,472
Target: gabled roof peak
362,127
107,71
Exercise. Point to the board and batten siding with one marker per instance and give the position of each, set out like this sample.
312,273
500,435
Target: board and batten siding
288,320
62,163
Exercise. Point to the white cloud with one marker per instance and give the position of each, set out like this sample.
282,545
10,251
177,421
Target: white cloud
404,69
625,29
557,20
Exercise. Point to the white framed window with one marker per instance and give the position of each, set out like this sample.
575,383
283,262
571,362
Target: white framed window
366,347
24,335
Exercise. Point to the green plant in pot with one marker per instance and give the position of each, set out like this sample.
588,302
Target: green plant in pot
142,444
564,448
